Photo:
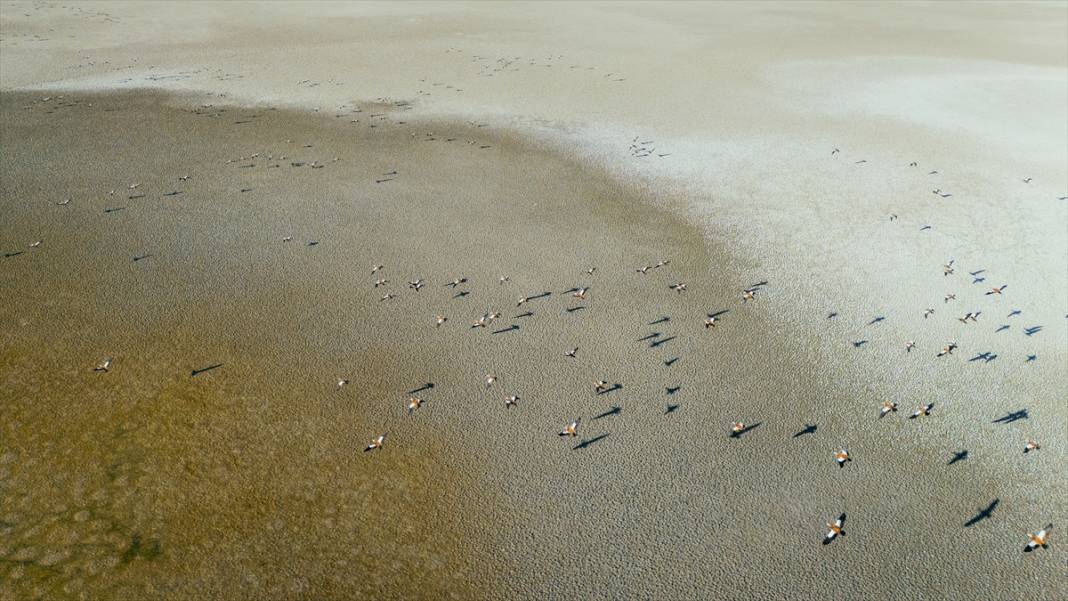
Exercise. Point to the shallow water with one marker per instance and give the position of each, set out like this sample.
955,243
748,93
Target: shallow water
248,480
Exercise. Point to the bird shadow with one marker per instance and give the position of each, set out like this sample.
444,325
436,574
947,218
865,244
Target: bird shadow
1031,331
671,361
983,514
426,386
670,390
510,328
744,430
649,337
808,429
876,320
1008,418
1001,329
614,410
589,441
660,320
197,372
958,456
573,309
610,389
537,296
461,294
718,313
527,314
859,343
671,409
657,343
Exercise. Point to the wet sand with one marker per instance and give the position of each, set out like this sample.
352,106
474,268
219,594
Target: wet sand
248,481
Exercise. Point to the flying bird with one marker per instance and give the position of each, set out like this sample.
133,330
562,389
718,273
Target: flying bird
947,350
1038,539
376,443
842,457
834,530
925,410
1031,446
888,406
104,365
413,404
571,430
